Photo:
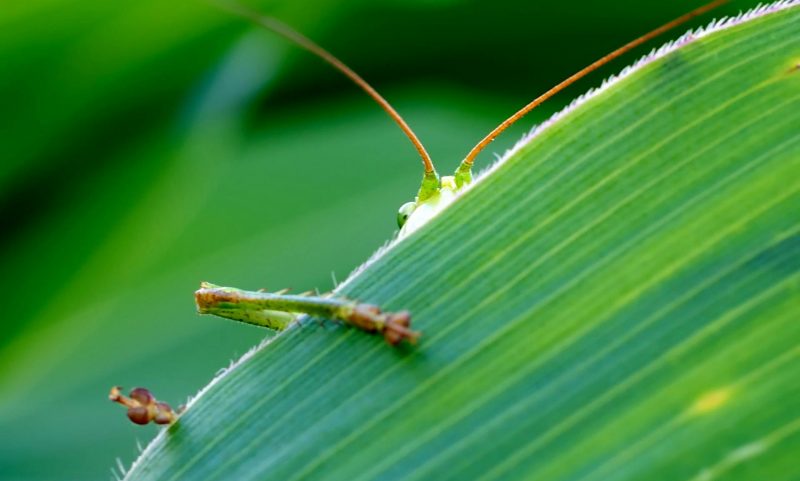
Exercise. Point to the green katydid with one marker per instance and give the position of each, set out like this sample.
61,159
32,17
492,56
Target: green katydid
278,310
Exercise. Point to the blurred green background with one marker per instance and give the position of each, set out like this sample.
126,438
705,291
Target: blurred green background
149,145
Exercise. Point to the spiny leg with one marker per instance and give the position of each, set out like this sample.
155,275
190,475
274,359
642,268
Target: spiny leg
251,306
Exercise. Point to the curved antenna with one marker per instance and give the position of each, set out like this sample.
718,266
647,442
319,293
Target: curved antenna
470,158
287,32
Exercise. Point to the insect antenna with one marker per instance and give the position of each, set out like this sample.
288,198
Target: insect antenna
276,26
466,164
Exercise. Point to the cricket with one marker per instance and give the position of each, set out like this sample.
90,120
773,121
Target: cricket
280,310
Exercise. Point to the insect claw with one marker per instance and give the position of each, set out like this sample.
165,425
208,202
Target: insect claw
396,329
393,326
115,396
283,291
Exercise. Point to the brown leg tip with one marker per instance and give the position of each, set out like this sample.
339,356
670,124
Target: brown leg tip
397,329
143,406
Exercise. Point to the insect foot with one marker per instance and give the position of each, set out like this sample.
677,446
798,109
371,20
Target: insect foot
143,406
395,327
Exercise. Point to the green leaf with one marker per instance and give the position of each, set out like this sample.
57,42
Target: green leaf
617,300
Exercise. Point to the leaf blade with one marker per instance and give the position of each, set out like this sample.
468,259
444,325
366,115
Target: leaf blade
543,293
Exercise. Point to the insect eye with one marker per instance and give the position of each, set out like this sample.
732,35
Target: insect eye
404,213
